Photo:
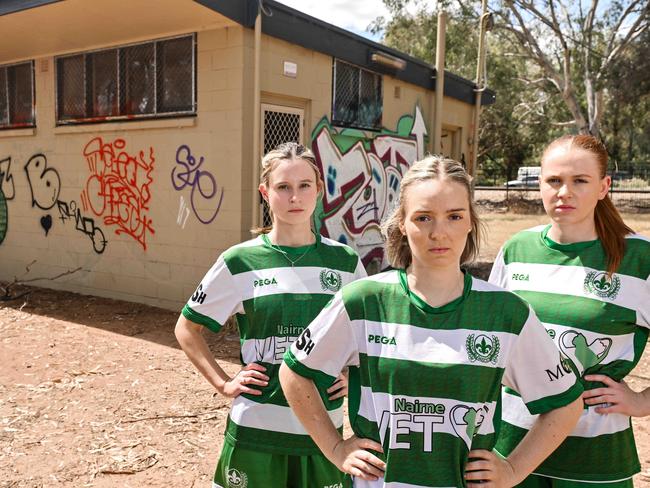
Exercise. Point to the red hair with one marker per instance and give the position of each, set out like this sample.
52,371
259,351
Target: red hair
610,228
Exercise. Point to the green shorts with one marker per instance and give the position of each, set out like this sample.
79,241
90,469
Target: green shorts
241,468
539,481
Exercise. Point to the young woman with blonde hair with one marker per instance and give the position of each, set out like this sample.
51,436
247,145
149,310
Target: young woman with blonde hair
587,276
428,347
274,285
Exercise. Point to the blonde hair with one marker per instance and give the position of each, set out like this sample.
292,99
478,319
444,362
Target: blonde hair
287,151
429,168
610,228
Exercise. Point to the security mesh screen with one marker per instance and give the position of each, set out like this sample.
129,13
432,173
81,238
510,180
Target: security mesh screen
17,95
139,79
4,105
279,127
144,80
357,98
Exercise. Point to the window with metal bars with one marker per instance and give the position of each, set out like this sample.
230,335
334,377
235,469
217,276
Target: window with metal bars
147,80
17,96
279,127
357,99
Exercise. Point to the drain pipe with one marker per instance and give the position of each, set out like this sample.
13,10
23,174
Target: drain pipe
257,139
484,25
440,82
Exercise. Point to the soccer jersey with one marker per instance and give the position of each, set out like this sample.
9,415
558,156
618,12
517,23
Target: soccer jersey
425,382
273,301
600,326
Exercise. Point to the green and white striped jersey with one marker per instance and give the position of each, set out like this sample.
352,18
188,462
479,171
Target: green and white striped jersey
600,326
273,302
426,382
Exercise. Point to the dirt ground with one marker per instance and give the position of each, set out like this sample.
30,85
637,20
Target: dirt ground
96,393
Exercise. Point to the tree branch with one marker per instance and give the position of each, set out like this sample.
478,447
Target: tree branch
640,25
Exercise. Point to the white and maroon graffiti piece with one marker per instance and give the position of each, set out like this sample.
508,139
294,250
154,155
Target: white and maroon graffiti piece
362,174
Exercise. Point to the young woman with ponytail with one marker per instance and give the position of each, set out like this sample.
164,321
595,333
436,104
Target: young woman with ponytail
274,285
428,347
587,276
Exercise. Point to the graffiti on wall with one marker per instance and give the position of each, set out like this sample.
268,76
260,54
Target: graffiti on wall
6,179
362,174
4,216
7,192
85,225
205,195
44,182
45,186
118,188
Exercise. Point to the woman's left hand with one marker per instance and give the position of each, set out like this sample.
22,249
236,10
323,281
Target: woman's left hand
487,469
339,388
619,397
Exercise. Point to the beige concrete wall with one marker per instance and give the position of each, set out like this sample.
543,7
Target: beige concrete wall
163,265
310,90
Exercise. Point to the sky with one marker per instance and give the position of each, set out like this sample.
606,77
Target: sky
354,16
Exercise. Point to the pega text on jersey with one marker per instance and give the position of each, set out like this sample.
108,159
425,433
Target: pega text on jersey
379,339
264,282
520,277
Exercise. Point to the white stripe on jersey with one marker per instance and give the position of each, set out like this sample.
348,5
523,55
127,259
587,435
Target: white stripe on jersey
611,347
480,285
449,420
414,343
590,424
269,350
276,418
537,228
359,483
387,277
569,280
272,281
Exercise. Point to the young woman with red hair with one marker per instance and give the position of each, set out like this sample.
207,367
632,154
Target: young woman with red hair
587,276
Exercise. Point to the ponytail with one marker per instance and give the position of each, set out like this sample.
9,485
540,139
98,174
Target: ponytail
611,231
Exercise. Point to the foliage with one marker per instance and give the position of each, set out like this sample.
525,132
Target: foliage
555,66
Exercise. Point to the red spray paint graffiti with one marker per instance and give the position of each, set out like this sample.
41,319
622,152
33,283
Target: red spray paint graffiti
118,187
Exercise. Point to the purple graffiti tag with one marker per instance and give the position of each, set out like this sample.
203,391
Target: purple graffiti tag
187,172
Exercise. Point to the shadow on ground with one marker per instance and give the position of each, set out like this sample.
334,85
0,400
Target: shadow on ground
126,318
120,317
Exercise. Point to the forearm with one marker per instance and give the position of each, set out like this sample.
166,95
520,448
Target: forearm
303,397
543,438
190,338
645,402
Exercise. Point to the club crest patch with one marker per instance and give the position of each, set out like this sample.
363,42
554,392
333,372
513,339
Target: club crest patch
330,280
236,478
482,348
599,283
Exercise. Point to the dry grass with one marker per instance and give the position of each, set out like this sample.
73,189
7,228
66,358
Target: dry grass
501,226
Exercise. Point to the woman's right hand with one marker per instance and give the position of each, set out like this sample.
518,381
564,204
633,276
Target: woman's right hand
350,456
251,374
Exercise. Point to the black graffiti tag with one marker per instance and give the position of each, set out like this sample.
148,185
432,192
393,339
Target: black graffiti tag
44,182
86,225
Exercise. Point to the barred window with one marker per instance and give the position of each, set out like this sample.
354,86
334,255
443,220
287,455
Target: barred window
17,96
357,100
148,80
